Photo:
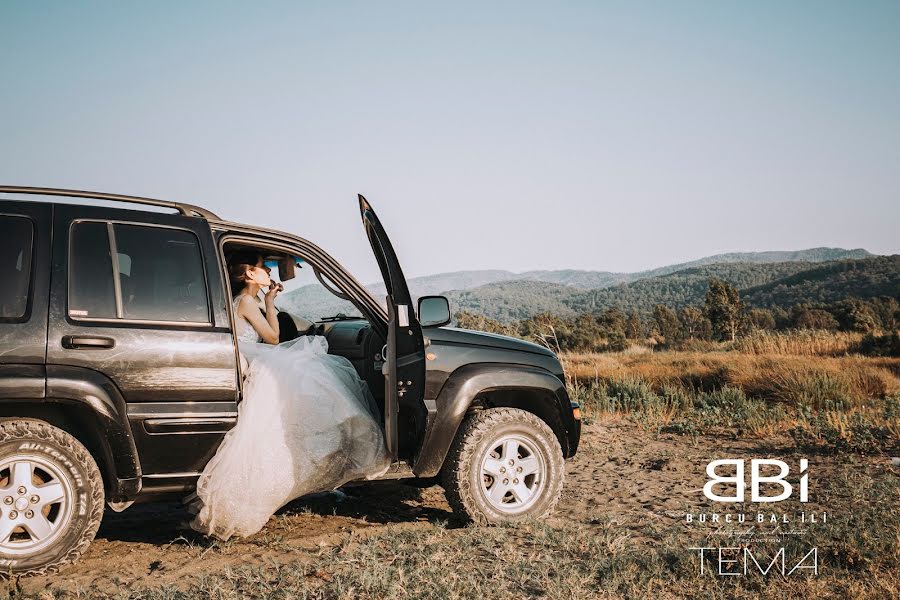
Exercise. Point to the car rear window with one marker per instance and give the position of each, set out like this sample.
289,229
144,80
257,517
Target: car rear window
16,241
136,273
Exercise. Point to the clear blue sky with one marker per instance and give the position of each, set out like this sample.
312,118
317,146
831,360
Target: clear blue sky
612,136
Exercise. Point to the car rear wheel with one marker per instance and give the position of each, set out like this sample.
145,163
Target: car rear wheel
51,498
505,465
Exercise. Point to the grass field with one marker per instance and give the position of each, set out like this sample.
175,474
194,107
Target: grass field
653,422
619,532
800,386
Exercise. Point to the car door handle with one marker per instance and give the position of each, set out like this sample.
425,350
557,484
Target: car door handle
76,342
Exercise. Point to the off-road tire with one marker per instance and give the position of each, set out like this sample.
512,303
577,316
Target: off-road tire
54,445
461,473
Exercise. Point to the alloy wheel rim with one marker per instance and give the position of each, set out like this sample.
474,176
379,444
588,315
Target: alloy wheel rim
35,503
512,474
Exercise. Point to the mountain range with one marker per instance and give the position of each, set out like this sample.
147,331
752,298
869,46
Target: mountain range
465,280
765,278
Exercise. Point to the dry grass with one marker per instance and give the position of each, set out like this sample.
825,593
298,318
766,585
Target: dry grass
813,381
805,342
826,404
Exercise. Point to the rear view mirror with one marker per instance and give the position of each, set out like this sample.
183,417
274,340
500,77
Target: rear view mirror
287,268
434,311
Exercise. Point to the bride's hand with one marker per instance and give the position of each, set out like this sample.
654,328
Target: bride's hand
273,291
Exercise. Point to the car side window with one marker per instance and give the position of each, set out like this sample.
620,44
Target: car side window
91,289
161,274
16,241
137,273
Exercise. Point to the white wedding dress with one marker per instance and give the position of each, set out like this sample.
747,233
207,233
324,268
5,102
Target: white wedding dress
307,423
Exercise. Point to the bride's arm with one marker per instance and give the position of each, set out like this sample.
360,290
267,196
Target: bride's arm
263,325
271,311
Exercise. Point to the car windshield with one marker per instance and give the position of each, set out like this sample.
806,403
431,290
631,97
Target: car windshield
304,296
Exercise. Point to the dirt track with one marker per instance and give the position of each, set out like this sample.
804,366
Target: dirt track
621,471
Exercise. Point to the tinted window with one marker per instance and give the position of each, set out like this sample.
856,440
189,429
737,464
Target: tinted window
91,290
16,238
161,274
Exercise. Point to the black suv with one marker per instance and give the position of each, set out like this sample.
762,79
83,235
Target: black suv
120,374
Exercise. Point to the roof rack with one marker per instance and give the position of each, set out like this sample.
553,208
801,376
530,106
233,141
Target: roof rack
188,210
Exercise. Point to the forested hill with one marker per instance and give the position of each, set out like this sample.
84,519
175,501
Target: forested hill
831,282
683,288
778,284
810,255
508,296
515,300
466,280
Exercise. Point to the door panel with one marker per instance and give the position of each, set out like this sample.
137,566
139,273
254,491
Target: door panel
24,256
404,367
180,359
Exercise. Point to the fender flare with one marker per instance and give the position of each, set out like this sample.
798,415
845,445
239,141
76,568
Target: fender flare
462,388
97,400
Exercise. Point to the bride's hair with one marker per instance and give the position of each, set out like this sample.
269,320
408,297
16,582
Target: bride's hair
238,274
239,262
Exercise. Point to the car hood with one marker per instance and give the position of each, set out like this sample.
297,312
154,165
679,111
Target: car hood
455,335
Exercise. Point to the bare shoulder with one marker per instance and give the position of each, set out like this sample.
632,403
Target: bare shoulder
245,304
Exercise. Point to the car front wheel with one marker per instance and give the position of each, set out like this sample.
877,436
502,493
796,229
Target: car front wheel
51,498
505,465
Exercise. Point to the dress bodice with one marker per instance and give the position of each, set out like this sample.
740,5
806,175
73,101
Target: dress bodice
243,330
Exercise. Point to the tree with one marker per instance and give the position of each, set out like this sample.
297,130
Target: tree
782,317
584,333
615,341
814,318
468,320
546,329
888,311
760,319
666,324
724,309
857,315
694,324
634,329
613,320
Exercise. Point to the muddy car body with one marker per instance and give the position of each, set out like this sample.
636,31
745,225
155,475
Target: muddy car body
118,380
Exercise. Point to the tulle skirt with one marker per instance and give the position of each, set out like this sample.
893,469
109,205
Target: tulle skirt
307,423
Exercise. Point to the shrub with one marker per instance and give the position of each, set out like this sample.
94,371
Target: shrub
813,388
887,344
616,342
865,431
730,407
629,393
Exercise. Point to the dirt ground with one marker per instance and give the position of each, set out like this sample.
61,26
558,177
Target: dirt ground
621,472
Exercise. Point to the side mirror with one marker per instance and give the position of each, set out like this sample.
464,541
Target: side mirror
434,311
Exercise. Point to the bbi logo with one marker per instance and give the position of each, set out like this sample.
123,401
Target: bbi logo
755,480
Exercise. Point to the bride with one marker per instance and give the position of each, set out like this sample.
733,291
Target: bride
307,422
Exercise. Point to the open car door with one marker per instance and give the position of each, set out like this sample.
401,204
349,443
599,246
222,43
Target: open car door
404,365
